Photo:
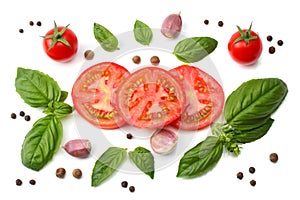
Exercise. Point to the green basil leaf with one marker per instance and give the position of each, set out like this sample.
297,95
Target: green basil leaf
41,142
63,96
107,164
143,159
194,49
36,88
142,33
253,134
59,109
201,158
251,105
106,39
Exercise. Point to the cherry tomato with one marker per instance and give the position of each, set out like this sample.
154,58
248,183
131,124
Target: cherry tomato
204,98
245,46
60,43
150,98
93,91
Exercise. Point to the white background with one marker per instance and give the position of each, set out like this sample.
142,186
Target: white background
277,18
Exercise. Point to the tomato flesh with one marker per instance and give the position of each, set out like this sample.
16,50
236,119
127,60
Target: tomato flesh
150,98
93,91
204,98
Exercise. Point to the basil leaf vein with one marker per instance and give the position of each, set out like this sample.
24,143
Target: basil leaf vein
143,159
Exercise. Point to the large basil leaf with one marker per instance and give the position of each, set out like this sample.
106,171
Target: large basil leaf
106,39
251,105
143,159
247,136
201,158
41,142
194,49
142,33
107,164
36,88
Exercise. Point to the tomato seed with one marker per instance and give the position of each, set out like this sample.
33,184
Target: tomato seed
21,30
269,38
206,22
136,59
280,42
271,49
131,188
124,184
252,170
240,175
39,23
273,157
13,115
220,23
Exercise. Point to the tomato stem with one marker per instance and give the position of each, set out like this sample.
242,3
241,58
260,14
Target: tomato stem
57,36
246,36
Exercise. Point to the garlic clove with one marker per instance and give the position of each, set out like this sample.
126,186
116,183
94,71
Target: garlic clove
171,26
163,141
79,148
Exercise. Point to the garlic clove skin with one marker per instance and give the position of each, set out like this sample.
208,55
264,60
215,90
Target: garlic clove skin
171,26
163,141
79,148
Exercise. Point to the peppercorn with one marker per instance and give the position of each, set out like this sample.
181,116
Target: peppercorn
18,182
251,170
220,23
31,23
77,173
13,115
136,59
131,188
32,182
269,38
27,117
124,184
39,23
129,136
22,113
280,42
60,172
206,22
240,175
155,60
89,54
271,49
274,157
21,30
253,182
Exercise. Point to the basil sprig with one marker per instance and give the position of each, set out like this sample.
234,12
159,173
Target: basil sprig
39,90
106,39
247,112
142,33
194,49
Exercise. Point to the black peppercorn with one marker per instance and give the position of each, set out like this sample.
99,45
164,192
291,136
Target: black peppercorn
22,113
136,59
89,54
32,182
240,175
31,23
13,115
39,23
269,38
60,172
251,170
220,23
253,182
206,22
272,50
273,157
131,188
124,184
27,118
280,42
77,173
155,60
129,136
21,30
18,182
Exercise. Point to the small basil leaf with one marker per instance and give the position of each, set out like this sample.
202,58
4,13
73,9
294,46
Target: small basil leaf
36,88
107,164
59,109
251,104
201,158
63,96
106,39
143,159
253,134
142,33
194,49
41,142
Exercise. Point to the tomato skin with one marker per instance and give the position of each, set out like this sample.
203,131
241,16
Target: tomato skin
243,53
204,98
60,52
93,94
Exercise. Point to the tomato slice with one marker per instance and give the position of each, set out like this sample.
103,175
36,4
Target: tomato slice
204,98
150,98
93,91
